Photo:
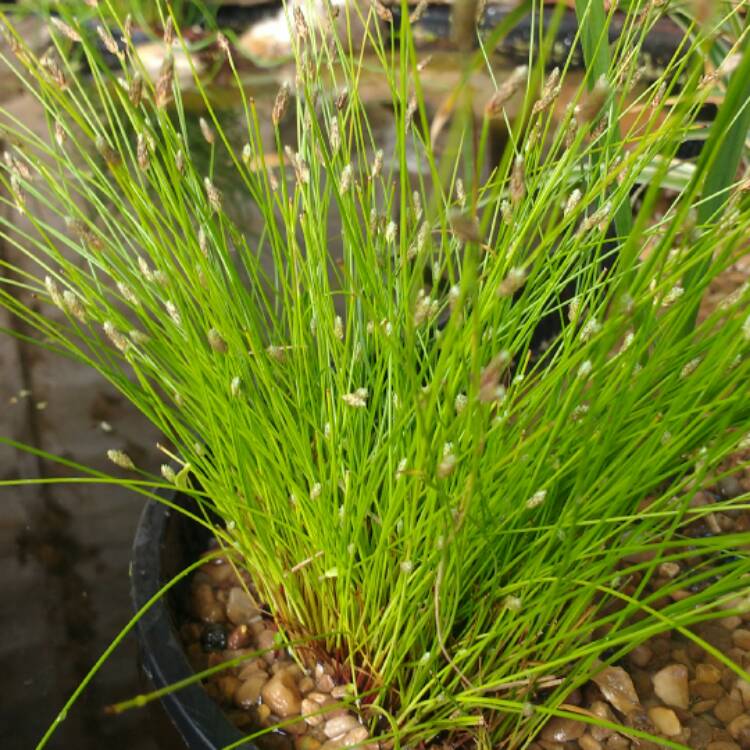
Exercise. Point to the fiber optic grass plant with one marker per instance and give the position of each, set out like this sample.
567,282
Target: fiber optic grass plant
447,512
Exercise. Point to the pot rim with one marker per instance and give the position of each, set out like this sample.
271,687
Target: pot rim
199,720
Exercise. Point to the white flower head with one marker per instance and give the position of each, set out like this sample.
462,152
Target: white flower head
357,399
460,403
121,459
585,369
590,328
536,499
690,367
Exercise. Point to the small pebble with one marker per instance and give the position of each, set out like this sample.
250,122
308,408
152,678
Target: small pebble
723,745
340,725
727,709
320,698
310,707
280,694
601,710
665,720
205,606
325,684
739,728
700,707
228,685
743,688
559,729
617,742
618,689
741,639
239,637
640,655
266,641
306,742
248,693
707,673
355,736
587,742
214,637
671,685
306,684
240,607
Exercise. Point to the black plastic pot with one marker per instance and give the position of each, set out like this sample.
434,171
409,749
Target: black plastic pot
165,543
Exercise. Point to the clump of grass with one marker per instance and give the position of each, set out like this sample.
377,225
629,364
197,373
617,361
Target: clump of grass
423,493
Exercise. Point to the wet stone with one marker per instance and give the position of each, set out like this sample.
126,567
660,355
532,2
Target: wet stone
671,685
701,732
340,725
706,690
727,709
618,689
248,693
741,639
739,728
640,655
707,673
205,605
239,637
587,742
214,638
280,694
240,607
559,729
665,720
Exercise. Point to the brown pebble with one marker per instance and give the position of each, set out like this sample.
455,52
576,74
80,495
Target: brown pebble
355,736
739,728
669,569
248,693
306,743
256,665
587,742
241,609
665,720
723,745
671,685
320,698
340,725
263,712
280,694
325,684
727,709
640,655
309,710
741,639
239,637
559,729
743,688
707,673
221,573
731,623
266,641
306,684
706,690
701,732
228,685
205,606
617,742
618,689
701,707
602,711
